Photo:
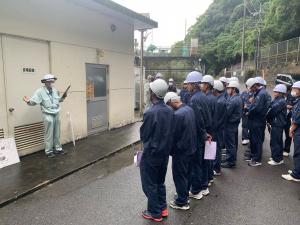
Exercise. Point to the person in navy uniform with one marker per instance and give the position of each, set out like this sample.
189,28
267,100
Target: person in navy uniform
257,120
198,102
219,119
183,149
234,112
156,136
276,119
294,175
290,101
184,94
207,84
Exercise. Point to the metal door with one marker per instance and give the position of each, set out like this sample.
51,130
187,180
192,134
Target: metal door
25,63
96,76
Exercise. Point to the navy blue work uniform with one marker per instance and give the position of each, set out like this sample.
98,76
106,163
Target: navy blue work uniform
257,123
212,101
245,96
234,112
290,100
185,96
219,119
183,151
296,157
198,103
276,117
156,135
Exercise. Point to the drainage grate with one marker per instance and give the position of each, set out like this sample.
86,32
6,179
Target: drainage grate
1,133
29,136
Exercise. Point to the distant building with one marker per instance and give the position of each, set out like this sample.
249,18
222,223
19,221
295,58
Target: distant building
88,44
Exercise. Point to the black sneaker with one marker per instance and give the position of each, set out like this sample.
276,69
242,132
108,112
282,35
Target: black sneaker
227,165
61,152
253,163
50,155
175,206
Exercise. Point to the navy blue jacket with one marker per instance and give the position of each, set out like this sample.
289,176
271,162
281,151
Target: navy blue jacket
220,114
277,113
234,110
156,131
185,96
290,100
258,110
212,101
185,132
199,104
296,115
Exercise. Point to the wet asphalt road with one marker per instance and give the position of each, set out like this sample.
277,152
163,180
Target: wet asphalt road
109,193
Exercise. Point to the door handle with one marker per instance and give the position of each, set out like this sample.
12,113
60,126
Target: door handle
11,109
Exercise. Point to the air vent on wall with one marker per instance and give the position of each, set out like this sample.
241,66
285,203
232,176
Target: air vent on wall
29,136
1,133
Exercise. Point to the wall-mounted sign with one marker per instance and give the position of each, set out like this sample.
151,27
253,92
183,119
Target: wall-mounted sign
8,152
28,70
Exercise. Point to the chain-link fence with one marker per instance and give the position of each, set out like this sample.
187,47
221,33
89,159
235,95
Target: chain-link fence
280,53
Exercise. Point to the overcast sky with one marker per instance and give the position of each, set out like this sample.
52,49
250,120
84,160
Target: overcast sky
170,15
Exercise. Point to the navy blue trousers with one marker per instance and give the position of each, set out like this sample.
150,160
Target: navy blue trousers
153,173
182,173
256,142
276,143
196,183
231,143
288,140
245,129
220,141
296,157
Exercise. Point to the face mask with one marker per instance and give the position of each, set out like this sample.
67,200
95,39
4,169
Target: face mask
294,93
229,91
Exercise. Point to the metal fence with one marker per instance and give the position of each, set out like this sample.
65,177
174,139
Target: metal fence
280,53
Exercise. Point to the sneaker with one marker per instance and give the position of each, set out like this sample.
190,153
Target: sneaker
227,165
196,196
273,163
211,181
205,192
175,206
290,171
165,213
247,159
50,155
148,216
289,177
217,173
245,142
59,152
254,163
286,154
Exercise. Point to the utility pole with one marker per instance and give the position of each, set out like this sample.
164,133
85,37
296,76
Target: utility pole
258,40
243,42
142,75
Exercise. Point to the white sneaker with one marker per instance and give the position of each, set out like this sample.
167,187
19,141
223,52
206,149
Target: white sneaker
270,159
205,192
245,142
175,206
289,177
286,154
217,173
290,171
273,163
196,196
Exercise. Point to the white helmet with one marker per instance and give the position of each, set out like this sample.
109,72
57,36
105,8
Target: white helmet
250,82
49,78
234,79
260,80
233,84
296,85
194,77
171,80
218,85
208,79
281,88
223,79
171,96
159,76
159,88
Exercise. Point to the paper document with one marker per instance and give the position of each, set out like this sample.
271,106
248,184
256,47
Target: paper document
210,150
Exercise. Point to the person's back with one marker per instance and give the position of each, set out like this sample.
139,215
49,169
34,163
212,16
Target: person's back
185,132
277,113
234,110
156,131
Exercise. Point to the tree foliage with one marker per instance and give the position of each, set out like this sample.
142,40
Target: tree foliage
219,29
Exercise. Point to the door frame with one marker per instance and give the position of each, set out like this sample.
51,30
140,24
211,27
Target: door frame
107,93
